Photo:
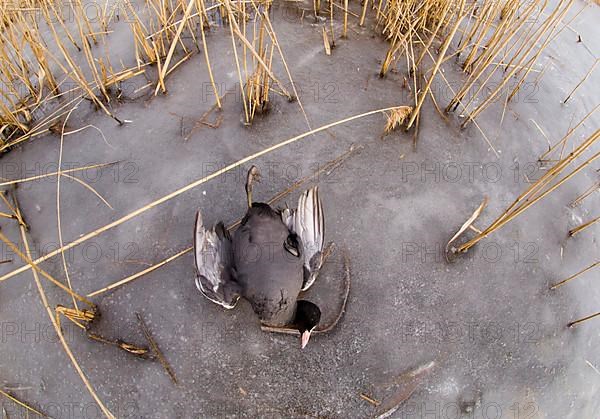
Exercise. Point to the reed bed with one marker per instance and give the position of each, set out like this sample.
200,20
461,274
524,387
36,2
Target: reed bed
45,58
48,62
496,43
48,55
552,179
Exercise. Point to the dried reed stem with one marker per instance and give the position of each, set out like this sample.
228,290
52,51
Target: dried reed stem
22,404
576,322
539,189
564,281
582,227
58,330
582,80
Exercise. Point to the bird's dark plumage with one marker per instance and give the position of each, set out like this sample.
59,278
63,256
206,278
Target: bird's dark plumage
269,274
271,257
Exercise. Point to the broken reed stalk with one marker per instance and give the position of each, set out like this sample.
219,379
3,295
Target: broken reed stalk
369,399
582,80
326,43
274,39
250,47
174,43
363,13
14,208
577,201
572,277
237,63
582,227
331,23
155,349
139,274
75,316
57,328
406,384
89,188
568,134
200,6
538,190
345,31
192,185
326,168
132,349
436,67
584,319
22,404
499,41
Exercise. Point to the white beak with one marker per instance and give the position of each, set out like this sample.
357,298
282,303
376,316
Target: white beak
304,338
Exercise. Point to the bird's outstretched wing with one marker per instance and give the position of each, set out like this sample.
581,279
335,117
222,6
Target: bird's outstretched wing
308,222
214,264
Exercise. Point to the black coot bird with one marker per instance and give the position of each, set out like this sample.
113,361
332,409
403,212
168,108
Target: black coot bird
271,258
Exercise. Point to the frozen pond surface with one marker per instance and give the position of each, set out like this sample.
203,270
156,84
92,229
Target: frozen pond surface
497,335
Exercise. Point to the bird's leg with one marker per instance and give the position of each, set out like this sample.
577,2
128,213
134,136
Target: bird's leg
253,176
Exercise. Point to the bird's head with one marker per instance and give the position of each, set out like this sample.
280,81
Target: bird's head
307,318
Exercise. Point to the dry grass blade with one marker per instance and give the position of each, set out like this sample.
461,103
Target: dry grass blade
582,81
563,140
22,404
577,201
155,349
139,274
190,186
326,43
89,188
15,214
208,66
582,227
174,43
564,281
369,399
584,319
273,36
64,172
127,347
